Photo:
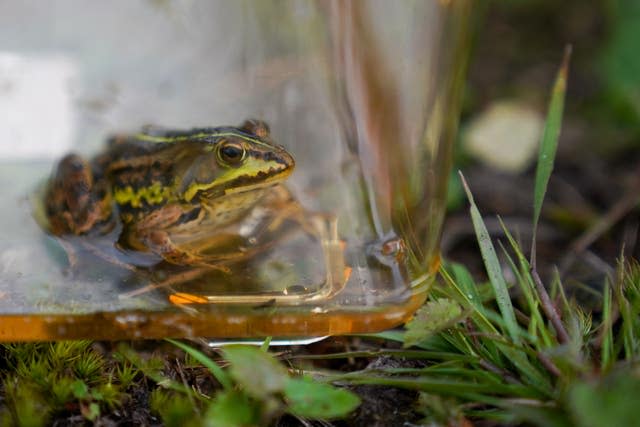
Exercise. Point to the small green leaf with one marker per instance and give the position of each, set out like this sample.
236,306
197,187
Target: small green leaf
255,370
80,389
430,319
310,399
91,412
232,409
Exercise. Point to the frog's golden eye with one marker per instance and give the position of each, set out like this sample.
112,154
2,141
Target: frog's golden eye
231,153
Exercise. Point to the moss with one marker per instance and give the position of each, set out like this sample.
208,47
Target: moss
48,379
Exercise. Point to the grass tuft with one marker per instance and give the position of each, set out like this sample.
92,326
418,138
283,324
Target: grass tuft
519,354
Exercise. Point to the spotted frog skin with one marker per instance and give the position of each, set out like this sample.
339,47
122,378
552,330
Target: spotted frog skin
181,195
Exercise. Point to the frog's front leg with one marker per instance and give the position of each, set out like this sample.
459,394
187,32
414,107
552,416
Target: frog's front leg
285,207
158,241
153,233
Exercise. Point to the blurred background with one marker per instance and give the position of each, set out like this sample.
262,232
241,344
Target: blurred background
590,211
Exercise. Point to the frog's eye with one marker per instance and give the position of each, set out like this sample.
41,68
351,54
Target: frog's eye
231,153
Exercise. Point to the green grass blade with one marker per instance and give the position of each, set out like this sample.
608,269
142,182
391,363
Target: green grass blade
213,367
628,319
467,285
493,268
527,287
531,375
546,157
536,323
549,140
405,354
265,345
447,387
607,354
392,335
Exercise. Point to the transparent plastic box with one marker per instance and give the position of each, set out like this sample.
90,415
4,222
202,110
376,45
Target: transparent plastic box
363,94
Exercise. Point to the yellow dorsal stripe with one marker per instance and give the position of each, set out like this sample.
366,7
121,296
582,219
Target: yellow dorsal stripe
169,139
153,195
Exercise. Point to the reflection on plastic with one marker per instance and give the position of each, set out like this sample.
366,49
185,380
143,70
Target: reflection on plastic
35,106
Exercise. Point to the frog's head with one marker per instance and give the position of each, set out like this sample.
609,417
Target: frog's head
235,160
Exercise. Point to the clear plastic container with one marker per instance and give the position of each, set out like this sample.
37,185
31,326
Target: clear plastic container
363,94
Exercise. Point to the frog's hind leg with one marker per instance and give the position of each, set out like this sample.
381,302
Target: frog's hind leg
75,201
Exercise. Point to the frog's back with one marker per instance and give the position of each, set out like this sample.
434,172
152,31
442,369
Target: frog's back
140,174
156,145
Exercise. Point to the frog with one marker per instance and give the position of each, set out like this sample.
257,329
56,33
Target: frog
196,197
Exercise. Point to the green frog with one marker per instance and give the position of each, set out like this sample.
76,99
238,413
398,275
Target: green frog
198,197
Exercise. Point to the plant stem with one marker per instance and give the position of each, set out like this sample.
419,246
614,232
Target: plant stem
547,306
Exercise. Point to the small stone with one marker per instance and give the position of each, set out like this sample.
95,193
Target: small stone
505,136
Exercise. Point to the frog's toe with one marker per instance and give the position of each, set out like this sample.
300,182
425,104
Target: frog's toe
222,268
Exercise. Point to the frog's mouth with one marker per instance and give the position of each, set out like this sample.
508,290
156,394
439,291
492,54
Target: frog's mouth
243,184
257,172
260,170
